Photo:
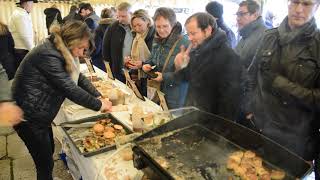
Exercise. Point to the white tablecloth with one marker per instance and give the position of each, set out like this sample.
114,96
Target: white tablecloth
92,168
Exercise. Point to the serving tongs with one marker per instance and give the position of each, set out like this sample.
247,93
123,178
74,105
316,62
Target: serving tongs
73,125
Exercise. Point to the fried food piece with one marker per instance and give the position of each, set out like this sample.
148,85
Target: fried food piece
118,127
236,156
249,154
246,163
109,135
240,171
250,176
262,171
257,162
98,128
277,174
108,129
232,164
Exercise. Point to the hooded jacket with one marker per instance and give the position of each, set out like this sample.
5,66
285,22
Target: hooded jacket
43,81
213,74
283,88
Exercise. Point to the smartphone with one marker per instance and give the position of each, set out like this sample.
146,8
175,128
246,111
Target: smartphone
151,74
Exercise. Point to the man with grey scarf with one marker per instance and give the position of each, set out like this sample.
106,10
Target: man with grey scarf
283,84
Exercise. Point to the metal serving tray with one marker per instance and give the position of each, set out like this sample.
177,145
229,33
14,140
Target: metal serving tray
66,129
199,143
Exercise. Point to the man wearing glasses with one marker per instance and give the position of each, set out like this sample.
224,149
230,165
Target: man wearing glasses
251,28
283,86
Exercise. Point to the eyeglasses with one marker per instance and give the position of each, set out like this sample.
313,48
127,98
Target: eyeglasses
303,3
241,14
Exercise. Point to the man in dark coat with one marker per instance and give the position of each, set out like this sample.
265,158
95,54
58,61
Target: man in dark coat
213,70
283,85
251,28
117,41
52,14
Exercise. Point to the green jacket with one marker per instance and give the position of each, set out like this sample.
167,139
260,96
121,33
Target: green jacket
283,88
173,89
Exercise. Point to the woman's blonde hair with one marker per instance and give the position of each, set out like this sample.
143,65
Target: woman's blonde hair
68,36
3,29
142,14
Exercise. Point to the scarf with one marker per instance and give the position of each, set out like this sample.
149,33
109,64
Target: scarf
304,32
140,50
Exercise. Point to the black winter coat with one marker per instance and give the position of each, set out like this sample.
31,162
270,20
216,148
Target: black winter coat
214,77
42,84
283,89
96,55
51,14
7,58
112,48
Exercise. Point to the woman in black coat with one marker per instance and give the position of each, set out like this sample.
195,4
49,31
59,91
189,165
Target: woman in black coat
7,58
48,75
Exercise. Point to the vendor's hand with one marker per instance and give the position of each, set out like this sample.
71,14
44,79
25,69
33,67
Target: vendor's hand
159,78
10,114
106,105
146,68
182,58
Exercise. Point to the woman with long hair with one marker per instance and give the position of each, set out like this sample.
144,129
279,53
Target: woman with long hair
46,77
143,33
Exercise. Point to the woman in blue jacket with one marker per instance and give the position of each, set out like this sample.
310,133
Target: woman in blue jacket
168,38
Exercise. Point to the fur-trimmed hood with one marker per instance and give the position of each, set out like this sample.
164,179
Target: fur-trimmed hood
65,52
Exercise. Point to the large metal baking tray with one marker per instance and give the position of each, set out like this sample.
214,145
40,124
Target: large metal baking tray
93,119
202,141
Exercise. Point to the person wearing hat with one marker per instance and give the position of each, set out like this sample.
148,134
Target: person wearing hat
21,28
216,10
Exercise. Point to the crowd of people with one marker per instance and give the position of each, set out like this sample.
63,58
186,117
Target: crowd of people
268,80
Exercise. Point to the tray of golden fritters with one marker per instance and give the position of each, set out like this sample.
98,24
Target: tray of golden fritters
99,137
